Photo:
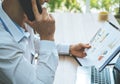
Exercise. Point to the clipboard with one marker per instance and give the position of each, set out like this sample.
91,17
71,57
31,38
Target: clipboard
104,43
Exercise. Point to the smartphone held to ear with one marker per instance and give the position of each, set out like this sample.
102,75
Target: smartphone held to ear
27,7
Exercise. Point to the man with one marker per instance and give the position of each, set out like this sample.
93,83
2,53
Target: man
19,46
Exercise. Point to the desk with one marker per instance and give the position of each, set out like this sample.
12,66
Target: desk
73,28
66,71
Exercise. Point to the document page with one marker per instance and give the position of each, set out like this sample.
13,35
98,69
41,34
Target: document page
103,44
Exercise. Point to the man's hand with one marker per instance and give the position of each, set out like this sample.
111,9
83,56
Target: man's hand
44,23
78,50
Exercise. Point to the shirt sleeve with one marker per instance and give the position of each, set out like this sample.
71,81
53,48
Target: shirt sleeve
63,49
48,61
15,69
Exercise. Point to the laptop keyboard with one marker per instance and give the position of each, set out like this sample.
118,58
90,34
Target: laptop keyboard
102,77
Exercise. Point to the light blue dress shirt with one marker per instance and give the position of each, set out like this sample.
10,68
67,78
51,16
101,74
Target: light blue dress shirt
17,55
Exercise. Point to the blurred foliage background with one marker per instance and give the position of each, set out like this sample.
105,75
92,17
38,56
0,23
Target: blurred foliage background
64,5
79,5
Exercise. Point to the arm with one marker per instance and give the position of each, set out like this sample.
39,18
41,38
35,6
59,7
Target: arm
15,69
77,50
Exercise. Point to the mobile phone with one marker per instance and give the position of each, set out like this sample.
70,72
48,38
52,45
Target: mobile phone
27,7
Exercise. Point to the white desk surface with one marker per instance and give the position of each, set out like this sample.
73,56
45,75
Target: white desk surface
66,71
73,28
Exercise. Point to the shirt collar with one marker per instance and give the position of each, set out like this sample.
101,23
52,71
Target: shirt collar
13,29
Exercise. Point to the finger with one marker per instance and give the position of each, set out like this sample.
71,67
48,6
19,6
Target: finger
45,14
51,18
83,54
29,22
79,54
85,45
35,10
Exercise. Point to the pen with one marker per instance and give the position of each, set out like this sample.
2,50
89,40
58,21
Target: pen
77,60
113,25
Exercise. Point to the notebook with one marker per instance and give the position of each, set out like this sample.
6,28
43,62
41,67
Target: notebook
103,43
106,43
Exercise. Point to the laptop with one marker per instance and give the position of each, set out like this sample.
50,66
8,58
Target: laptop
104,73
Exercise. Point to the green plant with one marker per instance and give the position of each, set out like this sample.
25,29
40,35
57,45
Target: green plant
65,5
106,5
74,6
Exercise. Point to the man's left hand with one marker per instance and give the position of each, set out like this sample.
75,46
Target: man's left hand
78,50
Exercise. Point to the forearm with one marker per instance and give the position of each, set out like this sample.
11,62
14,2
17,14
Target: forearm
47,61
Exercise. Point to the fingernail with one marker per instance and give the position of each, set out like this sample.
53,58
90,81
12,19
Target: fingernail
44,5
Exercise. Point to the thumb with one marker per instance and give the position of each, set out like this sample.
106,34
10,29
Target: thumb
85,45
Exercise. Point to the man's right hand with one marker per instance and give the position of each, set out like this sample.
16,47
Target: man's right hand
44,23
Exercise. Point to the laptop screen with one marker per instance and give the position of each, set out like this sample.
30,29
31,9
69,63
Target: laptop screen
116,71
115,53
117,64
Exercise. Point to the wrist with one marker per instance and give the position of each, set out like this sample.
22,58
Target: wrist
50,38
70,49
